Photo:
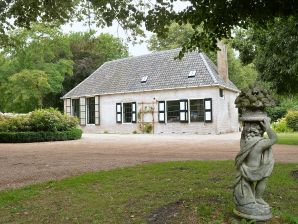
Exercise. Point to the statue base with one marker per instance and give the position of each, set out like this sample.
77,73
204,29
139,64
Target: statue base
255,217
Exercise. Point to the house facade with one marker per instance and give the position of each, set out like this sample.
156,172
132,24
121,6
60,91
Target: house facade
156,93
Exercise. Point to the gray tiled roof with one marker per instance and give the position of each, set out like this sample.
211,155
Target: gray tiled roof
124,75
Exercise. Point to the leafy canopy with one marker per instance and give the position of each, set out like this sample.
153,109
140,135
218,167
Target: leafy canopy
217,18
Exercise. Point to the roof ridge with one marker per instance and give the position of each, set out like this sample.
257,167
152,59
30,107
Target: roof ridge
153,53
208,68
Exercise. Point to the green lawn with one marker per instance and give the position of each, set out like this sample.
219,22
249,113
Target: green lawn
176,192
287,138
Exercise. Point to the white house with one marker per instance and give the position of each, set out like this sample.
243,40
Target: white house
156,91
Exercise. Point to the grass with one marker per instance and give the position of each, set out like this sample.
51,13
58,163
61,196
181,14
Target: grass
287,138
180,192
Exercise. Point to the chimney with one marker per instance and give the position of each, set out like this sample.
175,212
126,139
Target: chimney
222,61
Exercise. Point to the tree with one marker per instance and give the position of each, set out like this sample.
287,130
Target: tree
25,90
217,17
89,52
65,60
274,51
240,75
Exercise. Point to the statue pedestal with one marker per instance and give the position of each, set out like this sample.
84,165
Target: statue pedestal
260,217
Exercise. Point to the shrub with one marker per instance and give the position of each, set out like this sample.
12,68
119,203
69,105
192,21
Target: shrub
276,113
40,125
292,120
281,126
147,128
51,120
42,136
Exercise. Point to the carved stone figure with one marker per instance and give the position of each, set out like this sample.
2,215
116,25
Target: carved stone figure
254,164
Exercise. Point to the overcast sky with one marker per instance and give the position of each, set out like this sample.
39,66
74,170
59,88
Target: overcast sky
115,30
134,50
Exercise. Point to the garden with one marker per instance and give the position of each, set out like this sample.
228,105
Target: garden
38,126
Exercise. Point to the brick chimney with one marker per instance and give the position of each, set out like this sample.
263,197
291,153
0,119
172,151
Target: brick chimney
222,61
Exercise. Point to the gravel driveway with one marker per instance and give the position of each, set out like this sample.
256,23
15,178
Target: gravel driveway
22,164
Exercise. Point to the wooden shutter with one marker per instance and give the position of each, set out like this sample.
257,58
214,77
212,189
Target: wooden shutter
67,106
161,111
183,111
208,109
134,112
83,111
118,112
97,110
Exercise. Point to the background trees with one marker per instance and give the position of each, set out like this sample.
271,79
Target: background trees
43,64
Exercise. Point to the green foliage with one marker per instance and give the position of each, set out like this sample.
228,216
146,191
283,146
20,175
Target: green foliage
241,75
281,126
147,128
276,113
89,52
51,120
292,120
43,64
273,49
40,136
24,91
47,120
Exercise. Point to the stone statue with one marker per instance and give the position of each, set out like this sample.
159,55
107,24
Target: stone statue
254,164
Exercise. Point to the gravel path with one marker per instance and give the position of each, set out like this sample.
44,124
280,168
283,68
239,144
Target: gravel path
22,164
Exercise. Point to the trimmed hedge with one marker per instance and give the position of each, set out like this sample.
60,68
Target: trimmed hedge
41,136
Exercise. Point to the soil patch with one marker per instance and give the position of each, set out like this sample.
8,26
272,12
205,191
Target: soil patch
166,214
295,174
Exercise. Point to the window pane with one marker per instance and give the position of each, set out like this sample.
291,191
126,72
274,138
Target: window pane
127,112
173,111
91,110
197,110
76,108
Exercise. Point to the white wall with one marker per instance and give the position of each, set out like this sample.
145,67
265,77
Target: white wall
225,116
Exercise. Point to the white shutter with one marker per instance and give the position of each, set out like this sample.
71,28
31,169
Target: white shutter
67,106
134,112
183,111
83,111
208,109
161,112
118,112
97,110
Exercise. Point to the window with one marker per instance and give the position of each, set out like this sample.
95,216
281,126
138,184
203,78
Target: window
197,110
91,110
144,79
127,112
221,93
192,74
76,108
173,111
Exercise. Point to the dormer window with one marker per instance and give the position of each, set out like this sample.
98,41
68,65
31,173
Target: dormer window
192,74
144,79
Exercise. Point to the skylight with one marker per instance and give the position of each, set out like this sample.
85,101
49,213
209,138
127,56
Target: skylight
192,74
144,79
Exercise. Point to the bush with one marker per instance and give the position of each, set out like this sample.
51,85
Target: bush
281,126
276,113
292,120
38,120
42,136
38,126
51,120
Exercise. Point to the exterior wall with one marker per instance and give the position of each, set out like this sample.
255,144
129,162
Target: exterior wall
227,114
224,114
